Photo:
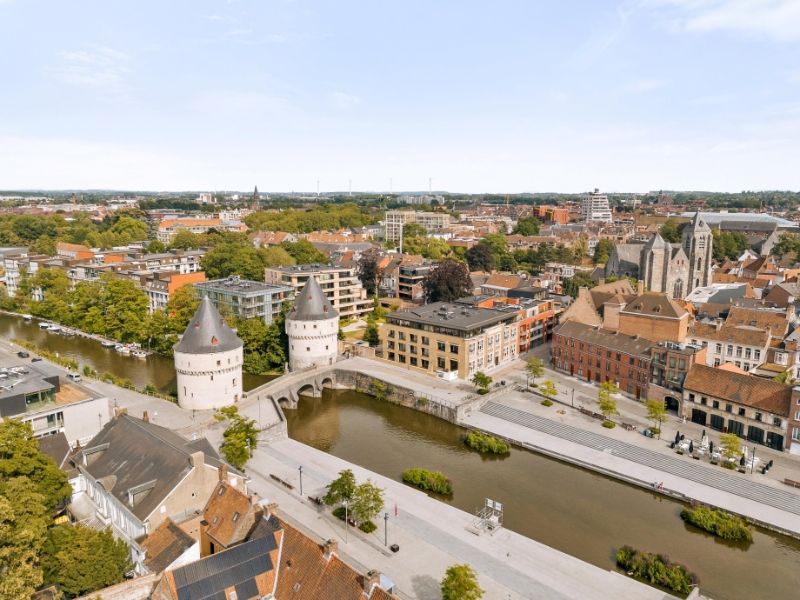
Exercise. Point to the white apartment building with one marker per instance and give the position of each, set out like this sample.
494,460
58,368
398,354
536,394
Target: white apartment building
595,208
341,285
396,219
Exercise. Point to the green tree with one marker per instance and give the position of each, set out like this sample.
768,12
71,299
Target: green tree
527,226
482,381
534,367
606,401
367,502
20,457
304,252
81,560
602,251
371,334
341,489
447,281
461,583
657,413
730,445
240,439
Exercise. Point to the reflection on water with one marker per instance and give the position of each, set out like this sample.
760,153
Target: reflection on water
576,511
155,369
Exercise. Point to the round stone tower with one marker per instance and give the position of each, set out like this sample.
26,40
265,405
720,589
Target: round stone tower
312,327
208,361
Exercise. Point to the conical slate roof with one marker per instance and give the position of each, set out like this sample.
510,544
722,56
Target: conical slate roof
312,304
207,332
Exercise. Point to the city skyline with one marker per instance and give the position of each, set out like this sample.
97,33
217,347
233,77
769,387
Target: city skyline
625,96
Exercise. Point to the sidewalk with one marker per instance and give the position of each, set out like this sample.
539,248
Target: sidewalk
432,536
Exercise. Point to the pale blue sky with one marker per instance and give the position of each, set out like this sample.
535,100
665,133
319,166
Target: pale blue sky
505,96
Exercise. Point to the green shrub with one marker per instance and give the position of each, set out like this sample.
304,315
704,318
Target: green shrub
428,481
656,569
718,522
609,424
367,527
483,442
547,402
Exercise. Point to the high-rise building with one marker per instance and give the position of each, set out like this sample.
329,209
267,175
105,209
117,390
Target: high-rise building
595,208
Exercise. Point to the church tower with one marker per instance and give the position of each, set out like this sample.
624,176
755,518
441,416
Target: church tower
697,242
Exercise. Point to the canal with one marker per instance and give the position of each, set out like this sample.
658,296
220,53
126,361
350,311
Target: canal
571,509
155,369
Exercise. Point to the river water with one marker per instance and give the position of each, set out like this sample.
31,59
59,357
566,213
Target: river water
576,511
155,369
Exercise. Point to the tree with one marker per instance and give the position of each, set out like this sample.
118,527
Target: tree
527,226
730,445
602,251
479,258
606,401
81,560
579,280
371,334
304,252
341,489
447,281
185,240
369,272
657,413
20,457
240,439
548,389
534,367
461,583
367,502
482,381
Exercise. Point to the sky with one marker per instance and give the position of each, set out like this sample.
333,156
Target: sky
465,96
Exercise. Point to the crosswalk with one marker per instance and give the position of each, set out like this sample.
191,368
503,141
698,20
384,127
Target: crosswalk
713,477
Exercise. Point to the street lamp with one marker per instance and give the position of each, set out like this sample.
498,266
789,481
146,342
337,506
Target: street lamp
300,468
385,528
345,521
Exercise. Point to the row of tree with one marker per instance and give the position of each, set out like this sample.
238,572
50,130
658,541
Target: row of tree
34,551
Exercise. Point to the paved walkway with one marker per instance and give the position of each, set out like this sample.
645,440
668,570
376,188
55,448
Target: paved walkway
432,536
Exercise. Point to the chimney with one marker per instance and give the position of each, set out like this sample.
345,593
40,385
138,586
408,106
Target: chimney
371,579
223,472
717,324
145,417
639,287
330,548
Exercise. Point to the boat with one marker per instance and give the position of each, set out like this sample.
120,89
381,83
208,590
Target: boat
139,354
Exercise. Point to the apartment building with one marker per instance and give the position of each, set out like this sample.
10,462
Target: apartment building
755,409
600,355
445,337
396,219
340,284
245,299
595,208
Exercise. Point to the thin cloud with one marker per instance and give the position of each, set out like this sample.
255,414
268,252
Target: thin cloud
775,19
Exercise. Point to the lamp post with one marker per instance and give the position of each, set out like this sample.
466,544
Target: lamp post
345,521
300,468
385,528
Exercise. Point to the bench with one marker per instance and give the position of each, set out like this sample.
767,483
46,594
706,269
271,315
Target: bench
792,483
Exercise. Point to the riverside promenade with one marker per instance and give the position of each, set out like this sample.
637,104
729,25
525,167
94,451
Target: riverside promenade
432,535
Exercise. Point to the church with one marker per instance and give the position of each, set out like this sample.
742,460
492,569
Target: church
675,269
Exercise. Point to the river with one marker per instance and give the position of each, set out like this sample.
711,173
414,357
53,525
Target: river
574,510
156,369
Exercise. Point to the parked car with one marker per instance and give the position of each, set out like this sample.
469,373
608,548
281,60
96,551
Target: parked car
23,354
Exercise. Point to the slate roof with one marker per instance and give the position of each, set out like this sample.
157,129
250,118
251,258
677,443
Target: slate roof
165,545
132,453
207,332
748,390
312,304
